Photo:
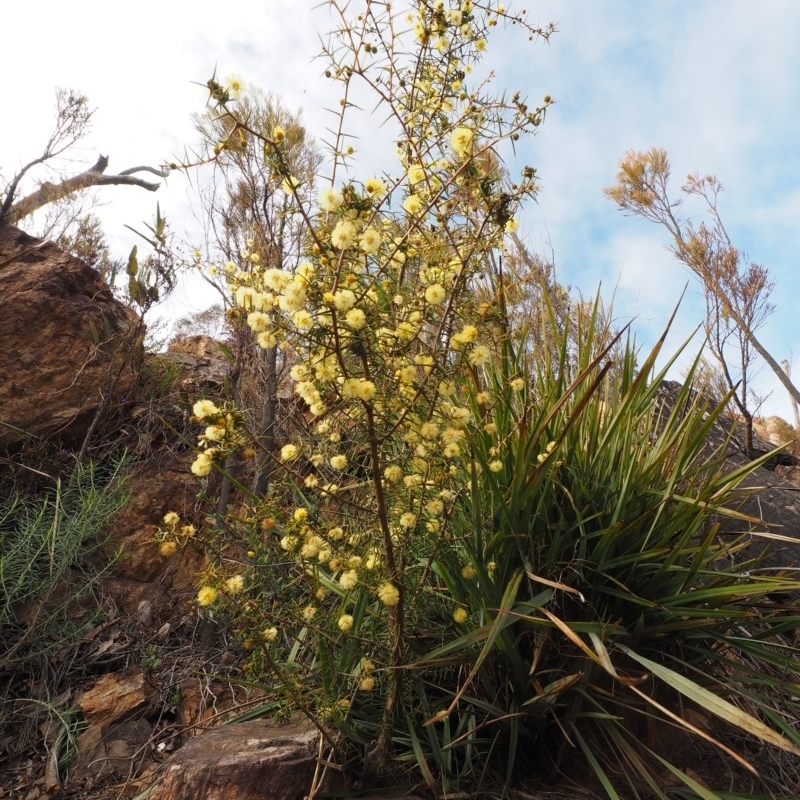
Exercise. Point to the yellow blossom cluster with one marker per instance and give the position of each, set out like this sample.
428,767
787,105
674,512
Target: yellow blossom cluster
173,533
380,331
219,437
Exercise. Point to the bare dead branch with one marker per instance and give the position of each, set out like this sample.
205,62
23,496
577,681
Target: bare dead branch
94,176
73,120
163,172
12,187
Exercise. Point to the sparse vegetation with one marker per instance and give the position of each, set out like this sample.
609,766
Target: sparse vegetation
736,289
52,560
478,543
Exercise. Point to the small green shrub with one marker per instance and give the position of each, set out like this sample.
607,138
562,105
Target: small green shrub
45,544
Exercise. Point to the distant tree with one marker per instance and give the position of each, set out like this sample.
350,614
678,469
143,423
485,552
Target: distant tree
736,289
709,378
80,233
251,223
530,286
208,322
787,368
777,430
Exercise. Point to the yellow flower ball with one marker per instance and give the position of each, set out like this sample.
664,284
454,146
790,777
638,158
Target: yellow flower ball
269,634
370,240
201,466
460,615
348,579
311,548
388,594
355,319
479,356
204,408
344,235
344,300
412,204
288,452
408,520
435,294
168,548
374,186
416,174
345,622
366,390
206,596
461,141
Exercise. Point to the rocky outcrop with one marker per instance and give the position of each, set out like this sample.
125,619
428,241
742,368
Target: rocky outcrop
202,361
65,341
247,761
770,493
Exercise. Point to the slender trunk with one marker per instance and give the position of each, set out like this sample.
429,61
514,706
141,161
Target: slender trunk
748,434
787,368
794,392
230,460
268,423
379,757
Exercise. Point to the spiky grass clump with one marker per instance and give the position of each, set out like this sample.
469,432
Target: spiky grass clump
601,603
49,569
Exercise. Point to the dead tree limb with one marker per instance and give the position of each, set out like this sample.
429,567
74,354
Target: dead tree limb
94,176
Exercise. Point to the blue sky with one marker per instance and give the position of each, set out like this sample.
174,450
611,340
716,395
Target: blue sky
714,82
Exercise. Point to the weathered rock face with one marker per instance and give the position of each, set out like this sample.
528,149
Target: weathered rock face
247,761
776,503
115,738
62,337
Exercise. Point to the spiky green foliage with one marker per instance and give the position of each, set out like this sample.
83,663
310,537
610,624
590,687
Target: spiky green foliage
51,559
44,573
602,602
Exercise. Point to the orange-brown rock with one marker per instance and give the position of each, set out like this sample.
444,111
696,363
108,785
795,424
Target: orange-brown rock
246,761
65,341
115,733
114,696
157,488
